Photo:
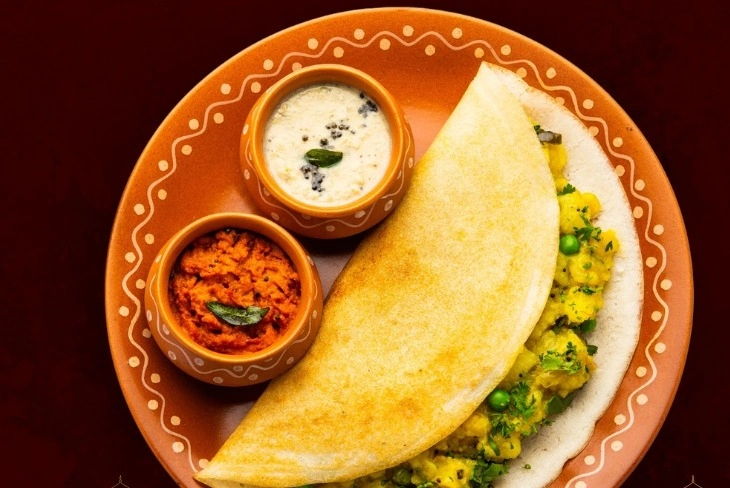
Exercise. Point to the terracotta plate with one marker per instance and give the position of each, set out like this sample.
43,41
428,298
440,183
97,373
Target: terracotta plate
425,58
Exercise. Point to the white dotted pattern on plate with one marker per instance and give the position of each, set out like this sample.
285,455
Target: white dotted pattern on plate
383,41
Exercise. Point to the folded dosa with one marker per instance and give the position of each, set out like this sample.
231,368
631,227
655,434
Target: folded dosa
426,317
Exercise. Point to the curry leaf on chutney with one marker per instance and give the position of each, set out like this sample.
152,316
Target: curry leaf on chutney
323,158
237,315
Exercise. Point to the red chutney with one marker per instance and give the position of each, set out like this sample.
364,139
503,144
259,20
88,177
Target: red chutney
238,269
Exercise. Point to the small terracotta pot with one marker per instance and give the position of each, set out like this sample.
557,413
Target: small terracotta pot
232,369
309,219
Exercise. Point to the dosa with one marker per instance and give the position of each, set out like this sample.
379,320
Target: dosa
426,317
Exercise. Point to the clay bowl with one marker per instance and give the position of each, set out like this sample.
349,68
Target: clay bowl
281,179
283,337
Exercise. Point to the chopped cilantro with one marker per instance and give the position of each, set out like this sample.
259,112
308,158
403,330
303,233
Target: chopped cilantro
557,361
522,404
587,325
493,445
521,408
485,472
587,289
503,424
587,232
568,188
558,404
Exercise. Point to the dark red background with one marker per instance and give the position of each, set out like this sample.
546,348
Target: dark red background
84,86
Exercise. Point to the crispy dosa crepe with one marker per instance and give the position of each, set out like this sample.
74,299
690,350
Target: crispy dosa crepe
426,317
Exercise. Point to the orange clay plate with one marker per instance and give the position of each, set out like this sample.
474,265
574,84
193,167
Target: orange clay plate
190,168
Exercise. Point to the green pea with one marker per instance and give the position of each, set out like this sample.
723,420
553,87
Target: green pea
402,477
569,244
498,400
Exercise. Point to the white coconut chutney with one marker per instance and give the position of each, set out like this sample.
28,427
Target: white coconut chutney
334,117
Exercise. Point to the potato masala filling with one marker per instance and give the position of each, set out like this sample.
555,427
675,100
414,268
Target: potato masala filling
554,364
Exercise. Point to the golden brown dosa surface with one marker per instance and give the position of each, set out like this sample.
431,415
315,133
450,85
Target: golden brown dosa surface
426,317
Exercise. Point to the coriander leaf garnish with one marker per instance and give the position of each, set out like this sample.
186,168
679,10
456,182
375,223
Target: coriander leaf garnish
485,472
568,188
493,445
237,315
587,326
588,290
558,404
588,232
556,361
323,158
523,403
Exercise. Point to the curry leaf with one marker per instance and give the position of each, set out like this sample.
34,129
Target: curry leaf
323,158
237,315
